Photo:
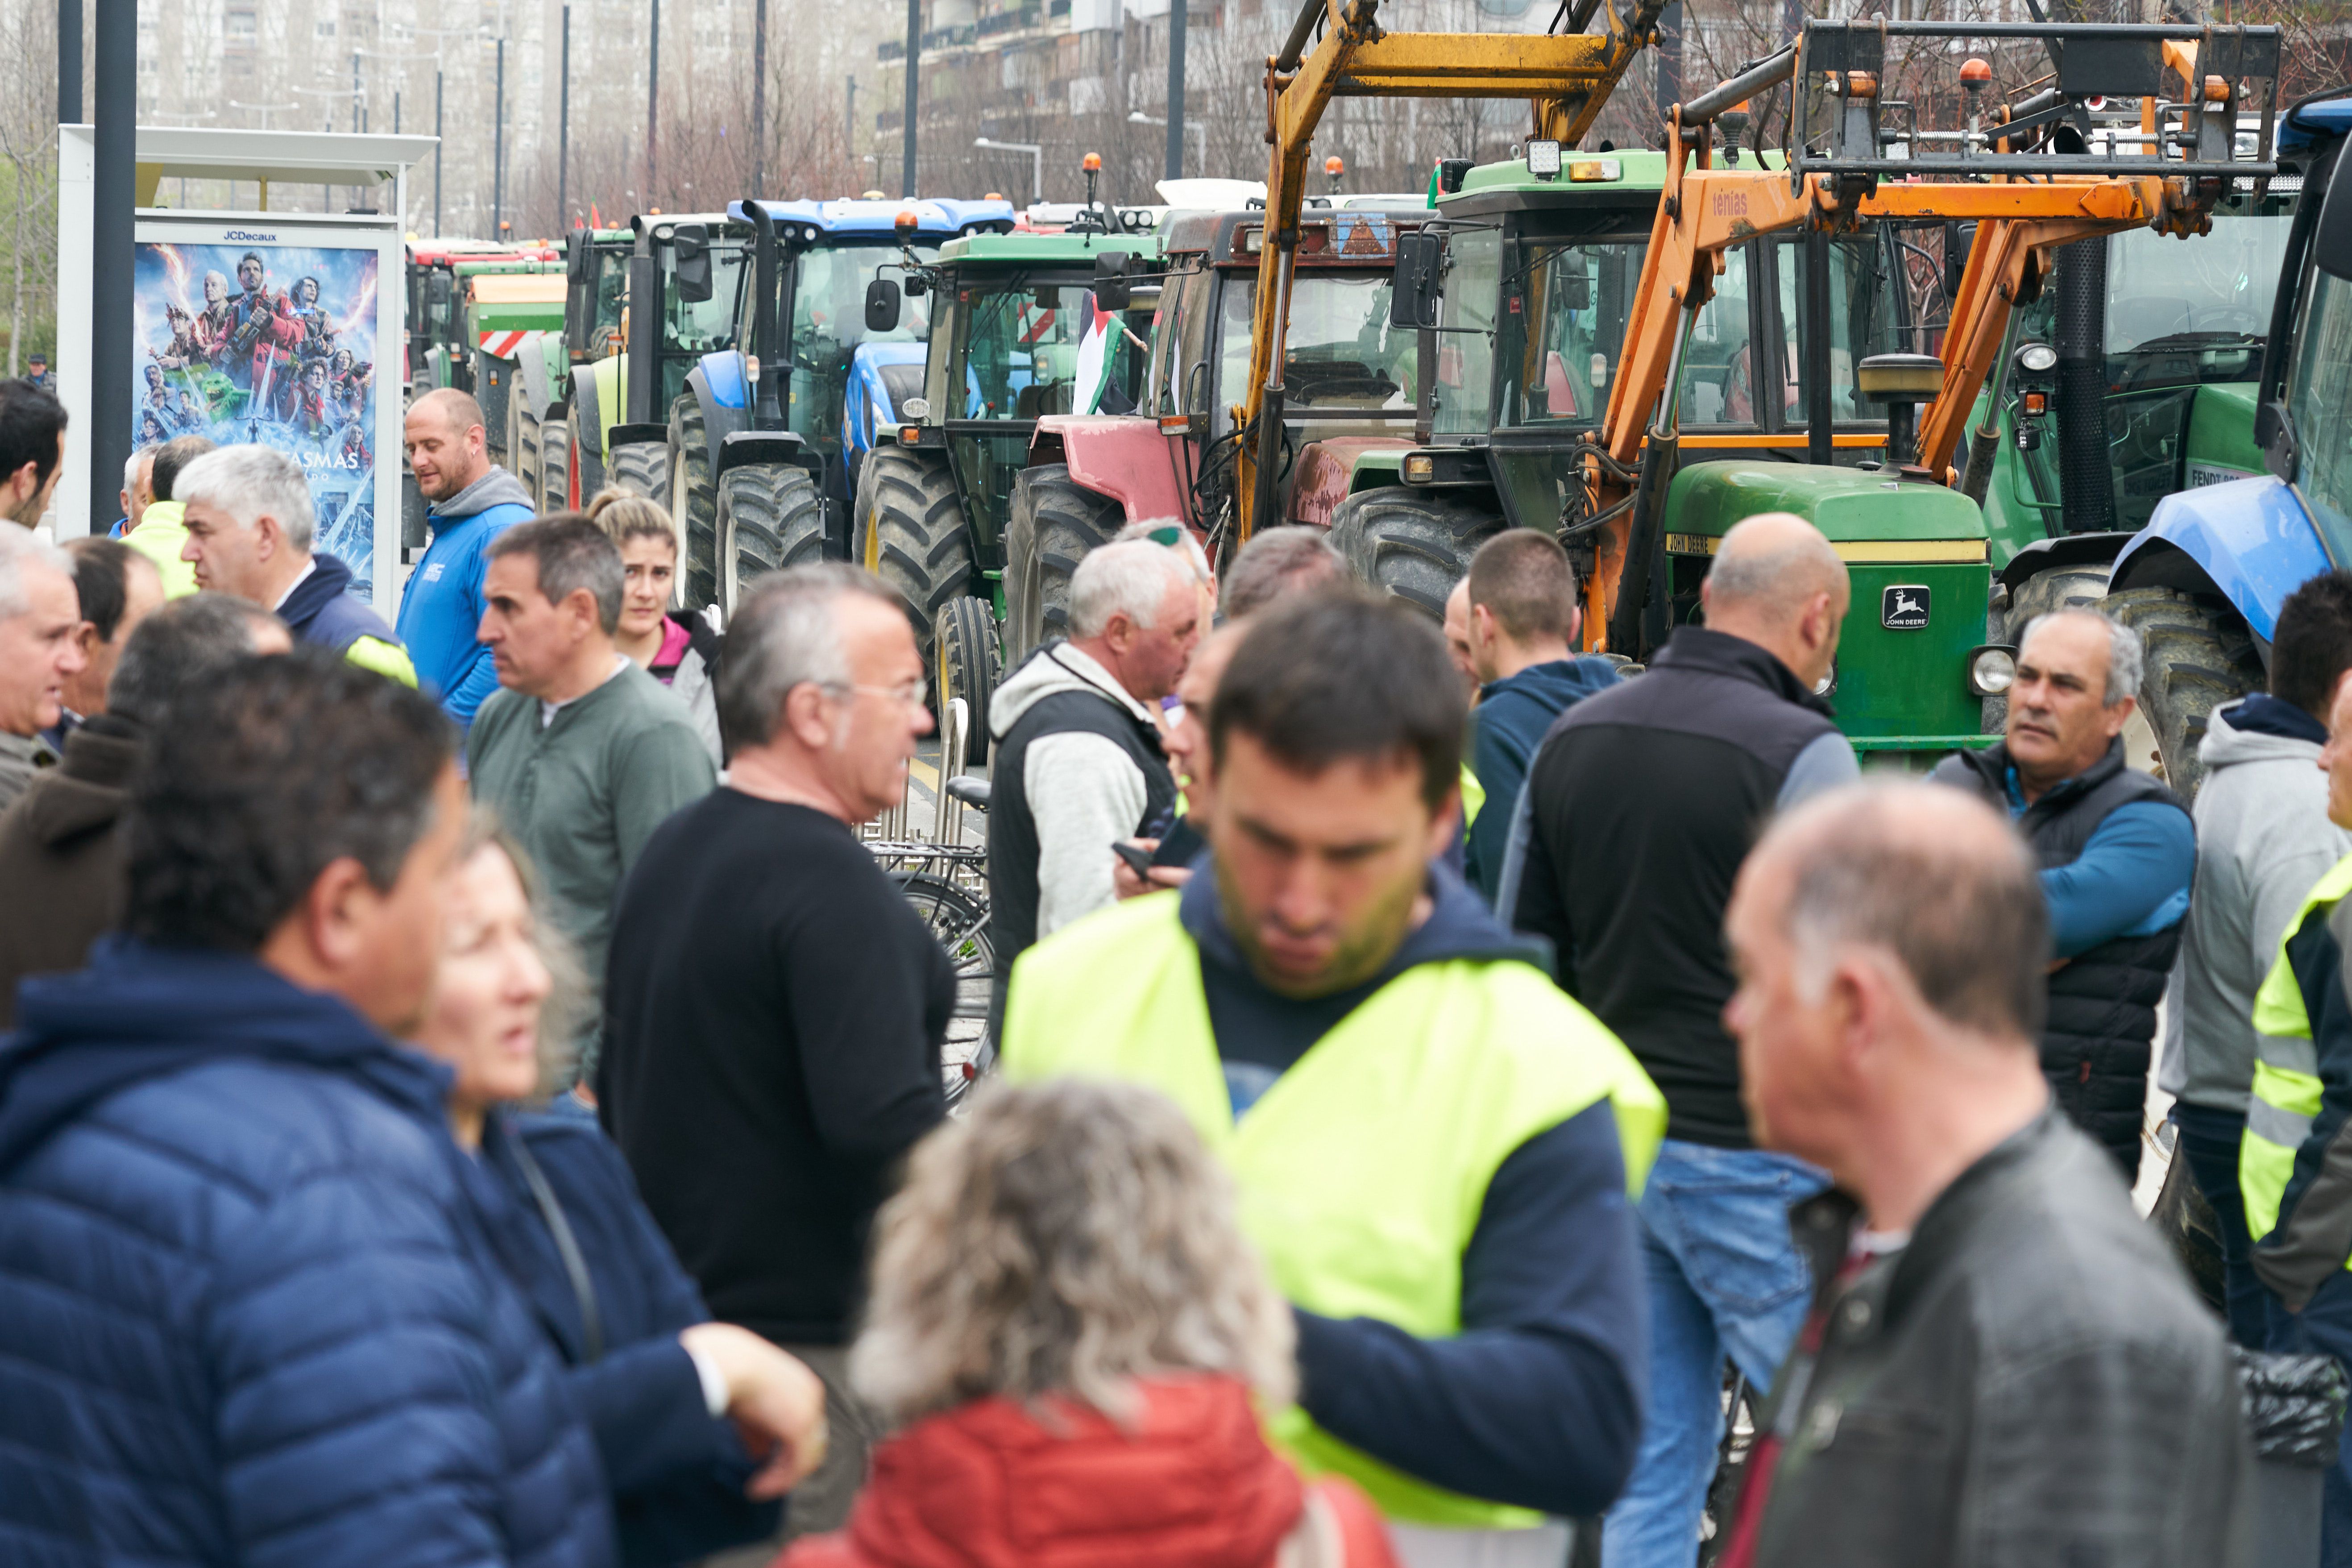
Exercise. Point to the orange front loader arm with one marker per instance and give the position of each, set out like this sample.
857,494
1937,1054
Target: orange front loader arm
1705,211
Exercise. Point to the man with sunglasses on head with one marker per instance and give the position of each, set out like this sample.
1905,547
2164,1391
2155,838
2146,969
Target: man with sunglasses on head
776,1006
1079,763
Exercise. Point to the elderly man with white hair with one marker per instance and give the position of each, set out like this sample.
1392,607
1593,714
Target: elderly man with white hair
40,616
1079,763
250,524
2117,852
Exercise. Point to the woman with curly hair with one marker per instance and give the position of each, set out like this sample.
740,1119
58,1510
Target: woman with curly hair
1076,1346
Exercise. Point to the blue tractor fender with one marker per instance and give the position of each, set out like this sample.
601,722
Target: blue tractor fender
879,381
720,416
2250,540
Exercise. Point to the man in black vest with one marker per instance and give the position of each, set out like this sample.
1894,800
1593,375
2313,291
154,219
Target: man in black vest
2117,852
1079,762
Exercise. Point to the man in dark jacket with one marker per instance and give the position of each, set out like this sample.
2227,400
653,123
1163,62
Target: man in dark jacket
1520,621
230,1202
1079,763
2001,1364
61,847
1640,808
249,525
2117,853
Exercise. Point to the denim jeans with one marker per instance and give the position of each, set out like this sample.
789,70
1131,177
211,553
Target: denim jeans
2324,1326
2208,1139
1725,1278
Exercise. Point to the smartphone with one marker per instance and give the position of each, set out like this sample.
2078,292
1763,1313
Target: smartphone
1137,858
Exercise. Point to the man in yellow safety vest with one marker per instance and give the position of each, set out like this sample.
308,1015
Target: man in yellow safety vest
1433,1145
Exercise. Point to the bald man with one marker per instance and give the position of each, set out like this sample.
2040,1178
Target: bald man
1639,807
470,502
1993,1334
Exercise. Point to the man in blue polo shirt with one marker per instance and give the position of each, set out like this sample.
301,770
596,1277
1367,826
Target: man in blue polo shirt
472,503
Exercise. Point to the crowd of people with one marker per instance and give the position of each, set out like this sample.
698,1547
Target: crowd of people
473,1097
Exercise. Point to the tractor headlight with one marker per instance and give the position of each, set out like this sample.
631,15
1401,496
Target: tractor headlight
1993,669
1827,683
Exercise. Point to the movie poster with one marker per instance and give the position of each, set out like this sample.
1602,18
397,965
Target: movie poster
271,343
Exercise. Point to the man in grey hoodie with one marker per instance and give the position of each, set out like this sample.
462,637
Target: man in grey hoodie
1079,763
2263,839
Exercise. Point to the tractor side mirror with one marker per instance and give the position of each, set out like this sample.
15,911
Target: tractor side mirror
576,252
1451,172
2274,434
1413,294
881,306
1112,290
2332,245
439,288
1959,238
692,243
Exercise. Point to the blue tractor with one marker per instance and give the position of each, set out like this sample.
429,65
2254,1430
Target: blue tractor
2203,580
763,444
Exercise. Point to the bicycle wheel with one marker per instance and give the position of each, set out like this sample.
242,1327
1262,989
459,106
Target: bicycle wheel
959,922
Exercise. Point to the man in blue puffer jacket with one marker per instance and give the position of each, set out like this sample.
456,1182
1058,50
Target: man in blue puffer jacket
247,1314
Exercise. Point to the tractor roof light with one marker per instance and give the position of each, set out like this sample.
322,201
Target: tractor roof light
1993,669
1976,74
1585,171
1335,165
1543,158
1091,163
907,220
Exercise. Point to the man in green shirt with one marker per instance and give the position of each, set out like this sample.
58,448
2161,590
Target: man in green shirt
581,753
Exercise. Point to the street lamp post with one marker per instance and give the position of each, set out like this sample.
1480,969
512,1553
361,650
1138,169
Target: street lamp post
1036,160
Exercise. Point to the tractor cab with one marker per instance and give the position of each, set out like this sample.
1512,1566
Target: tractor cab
774,400
2180,342
438,349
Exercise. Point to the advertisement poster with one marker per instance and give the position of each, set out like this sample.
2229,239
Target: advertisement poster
275,345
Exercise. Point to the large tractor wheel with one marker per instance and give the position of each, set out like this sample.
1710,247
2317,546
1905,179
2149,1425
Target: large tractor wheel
2201,657
1053,521
641,467
770,516
523,440
1409,543
966,663
591,467
554,487
693,501
909,532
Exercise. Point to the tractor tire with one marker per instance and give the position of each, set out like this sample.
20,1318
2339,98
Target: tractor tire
2201,657
1053,523
770,515
523,441
641,467
693,501
966,662
592,466
909,532
554,469
2065,588
1411,545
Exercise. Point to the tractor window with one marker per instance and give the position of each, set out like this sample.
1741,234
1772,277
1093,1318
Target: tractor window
828,323
1339,351
1862,324
1031,350
612,288
1718,385
700,326
1183,299
2161,291
1462,401
2319,397
1564,325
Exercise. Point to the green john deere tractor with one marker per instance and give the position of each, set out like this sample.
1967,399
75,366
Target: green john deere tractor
1015,336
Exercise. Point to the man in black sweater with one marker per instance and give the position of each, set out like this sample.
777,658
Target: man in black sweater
1639,807
773,1005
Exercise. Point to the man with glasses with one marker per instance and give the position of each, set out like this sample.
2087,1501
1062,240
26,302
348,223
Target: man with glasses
1079,763
582,754
775,1008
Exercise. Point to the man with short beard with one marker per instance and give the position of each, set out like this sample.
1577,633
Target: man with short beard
1434,1146
471,502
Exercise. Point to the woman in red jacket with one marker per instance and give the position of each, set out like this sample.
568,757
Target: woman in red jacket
1076,1344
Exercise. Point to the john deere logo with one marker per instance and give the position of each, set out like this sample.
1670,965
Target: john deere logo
1904,608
